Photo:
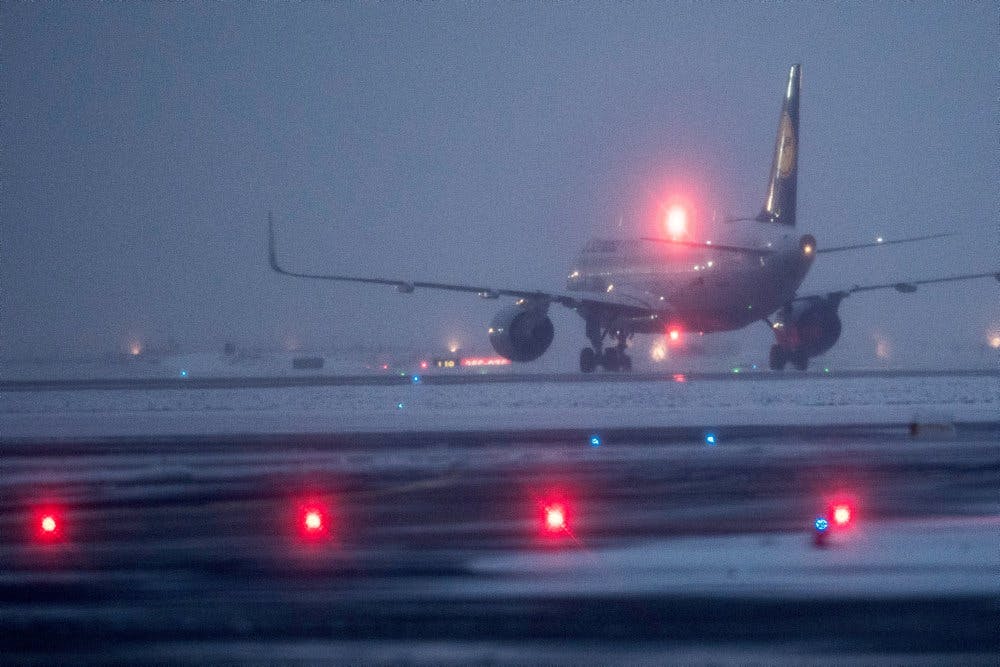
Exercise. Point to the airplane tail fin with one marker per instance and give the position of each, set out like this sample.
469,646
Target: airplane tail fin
779,205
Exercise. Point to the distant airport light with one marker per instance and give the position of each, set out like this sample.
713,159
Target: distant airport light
821,524
400,405
416,379
595,440
424,365
184,373
680,377
995,341
135,348
485,361
674,334
710,439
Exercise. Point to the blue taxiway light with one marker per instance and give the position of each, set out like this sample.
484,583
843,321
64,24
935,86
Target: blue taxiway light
821,524
710,439
184,373
595,440
415,379
400,406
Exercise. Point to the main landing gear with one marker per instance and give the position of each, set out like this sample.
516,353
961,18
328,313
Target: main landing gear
782,355
611,359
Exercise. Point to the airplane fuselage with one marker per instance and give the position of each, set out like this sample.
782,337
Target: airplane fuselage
696,289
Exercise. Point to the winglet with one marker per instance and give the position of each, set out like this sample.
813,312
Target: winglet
779,204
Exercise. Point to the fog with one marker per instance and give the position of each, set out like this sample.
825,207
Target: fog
144,144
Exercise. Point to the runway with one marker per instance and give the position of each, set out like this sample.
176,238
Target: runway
434,547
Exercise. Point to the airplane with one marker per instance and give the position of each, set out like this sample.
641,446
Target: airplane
621,287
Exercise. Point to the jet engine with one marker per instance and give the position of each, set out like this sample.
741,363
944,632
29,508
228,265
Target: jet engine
522,332
805,329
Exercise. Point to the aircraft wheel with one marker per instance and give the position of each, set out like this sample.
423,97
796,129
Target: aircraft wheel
800,360
626,362
611,361
778,358
588,360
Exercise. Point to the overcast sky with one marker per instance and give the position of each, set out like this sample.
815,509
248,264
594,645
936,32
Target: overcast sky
143,144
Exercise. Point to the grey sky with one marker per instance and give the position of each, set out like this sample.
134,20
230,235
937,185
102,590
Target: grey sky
142,145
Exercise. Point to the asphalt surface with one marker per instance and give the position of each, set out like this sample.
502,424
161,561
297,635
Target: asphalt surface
196,550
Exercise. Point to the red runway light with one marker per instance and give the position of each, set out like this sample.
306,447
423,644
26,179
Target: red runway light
555,518
841,515
313,521
48,524
674,334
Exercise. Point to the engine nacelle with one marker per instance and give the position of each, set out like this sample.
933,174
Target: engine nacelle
811,326
521,333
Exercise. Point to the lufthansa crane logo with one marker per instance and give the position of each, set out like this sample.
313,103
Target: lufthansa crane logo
786,147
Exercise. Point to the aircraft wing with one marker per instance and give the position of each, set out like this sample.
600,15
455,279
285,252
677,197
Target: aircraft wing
621,302
882,242
902,286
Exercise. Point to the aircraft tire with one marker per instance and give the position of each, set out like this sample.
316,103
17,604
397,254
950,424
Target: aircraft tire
626,362
588,360
778,358
611,361
800,360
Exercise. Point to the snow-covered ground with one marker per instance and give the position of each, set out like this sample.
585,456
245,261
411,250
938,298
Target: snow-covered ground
507,406
926,557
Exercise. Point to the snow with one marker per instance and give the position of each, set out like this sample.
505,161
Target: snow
926,557
499,406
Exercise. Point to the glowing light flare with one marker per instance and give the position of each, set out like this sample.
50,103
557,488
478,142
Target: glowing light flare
135,348
680,377
841,514
676,221
674,334
313,520
48,524
424,365
994,340
658,352
555,518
